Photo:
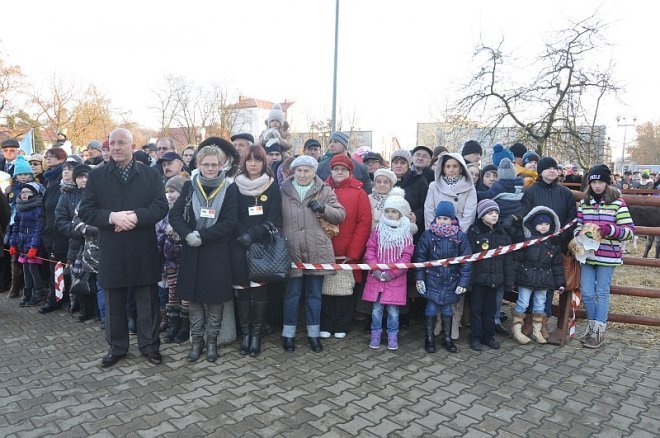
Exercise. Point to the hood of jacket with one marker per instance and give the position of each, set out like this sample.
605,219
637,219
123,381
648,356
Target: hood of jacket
462,186
527,226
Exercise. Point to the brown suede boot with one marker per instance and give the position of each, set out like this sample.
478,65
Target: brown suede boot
544,327
527,325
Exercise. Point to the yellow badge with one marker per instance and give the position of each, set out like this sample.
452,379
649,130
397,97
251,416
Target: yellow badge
484,246
263,198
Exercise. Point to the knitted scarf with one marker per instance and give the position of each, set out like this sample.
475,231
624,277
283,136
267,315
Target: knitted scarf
30,204
215,203
443,230
302,190
452,180
253,187
380,199
393,237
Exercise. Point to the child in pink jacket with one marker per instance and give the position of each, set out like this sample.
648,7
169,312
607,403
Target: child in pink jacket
390,242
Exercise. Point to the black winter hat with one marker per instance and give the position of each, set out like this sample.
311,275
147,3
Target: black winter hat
244,136
471,147
312,142
600,172
545,163
81,169
518,149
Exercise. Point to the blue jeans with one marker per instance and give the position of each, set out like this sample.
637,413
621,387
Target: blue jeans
499,296
524,294
595,284
549,295
100,299
432,309
163,293
294,286
392,317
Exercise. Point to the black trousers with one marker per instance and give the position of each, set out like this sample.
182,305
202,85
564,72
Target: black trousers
336,313
482,312
148,319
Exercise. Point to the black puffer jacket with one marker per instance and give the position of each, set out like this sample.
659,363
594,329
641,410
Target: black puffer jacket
416,187
496,271
64,214
539,267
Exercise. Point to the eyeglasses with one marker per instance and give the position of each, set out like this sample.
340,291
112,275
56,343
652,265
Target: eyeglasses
209,165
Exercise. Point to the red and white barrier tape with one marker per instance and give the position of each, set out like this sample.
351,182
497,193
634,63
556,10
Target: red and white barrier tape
490,253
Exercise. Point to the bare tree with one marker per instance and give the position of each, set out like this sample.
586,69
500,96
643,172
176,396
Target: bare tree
55,106
557,104
166,103
12,84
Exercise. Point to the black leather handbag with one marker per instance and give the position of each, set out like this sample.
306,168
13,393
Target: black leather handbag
268,260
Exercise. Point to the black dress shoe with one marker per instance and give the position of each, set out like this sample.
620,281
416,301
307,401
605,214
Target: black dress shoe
491,343
49,308
501,330
154,357
475,345
289,344
109,360
315,344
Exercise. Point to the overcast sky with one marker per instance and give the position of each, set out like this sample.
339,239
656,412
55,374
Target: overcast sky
399,62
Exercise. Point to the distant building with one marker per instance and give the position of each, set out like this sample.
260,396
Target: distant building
251,114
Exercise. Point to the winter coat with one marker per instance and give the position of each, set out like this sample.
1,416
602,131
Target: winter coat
463,195
5,214
271,201
393,292
127,258
359,172
26,231
495,271
205,271
617,216
356,227
64,214
306,240
54,241
539,267
170,244
441,281
415,187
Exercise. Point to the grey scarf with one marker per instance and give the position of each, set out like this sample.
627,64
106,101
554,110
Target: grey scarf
199,201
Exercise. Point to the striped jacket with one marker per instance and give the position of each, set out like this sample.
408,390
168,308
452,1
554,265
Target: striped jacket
617,216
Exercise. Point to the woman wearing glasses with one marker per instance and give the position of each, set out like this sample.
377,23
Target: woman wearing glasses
205,216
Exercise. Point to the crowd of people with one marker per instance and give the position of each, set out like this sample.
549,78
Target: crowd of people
156,241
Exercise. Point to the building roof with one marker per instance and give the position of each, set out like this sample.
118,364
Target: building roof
250,102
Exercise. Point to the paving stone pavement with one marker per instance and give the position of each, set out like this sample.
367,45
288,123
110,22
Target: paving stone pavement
51,385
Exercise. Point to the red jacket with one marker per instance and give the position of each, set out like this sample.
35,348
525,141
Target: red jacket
354,231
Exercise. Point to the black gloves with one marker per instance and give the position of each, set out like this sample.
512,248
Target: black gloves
316,206
245,239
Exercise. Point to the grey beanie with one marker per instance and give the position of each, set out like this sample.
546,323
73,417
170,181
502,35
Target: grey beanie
402,153
95,144
506,169
340,137
175,183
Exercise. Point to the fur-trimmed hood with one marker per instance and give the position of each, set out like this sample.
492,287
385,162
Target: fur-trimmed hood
527,227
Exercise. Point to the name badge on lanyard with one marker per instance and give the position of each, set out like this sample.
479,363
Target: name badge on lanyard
207,213
257,210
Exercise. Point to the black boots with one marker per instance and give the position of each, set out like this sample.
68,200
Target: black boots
184,331
212,348
429,339
315,344
259,313
446,334
196,348
174,325
38,297
164,320
244,321
289,344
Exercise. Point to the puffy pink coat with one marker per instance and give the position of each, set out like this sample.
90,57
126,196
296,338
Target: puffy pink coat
391,292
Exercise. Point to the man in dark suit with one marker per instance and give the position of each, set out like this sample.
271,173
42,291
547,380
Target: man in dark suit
10,149
125,199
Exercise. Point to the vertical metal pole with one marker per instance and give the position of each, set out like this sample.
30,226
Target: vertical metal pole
623,149
334,79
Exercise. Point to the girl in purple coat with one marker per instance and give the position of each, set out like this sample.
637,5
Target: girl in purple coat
25,242
390,242
442,286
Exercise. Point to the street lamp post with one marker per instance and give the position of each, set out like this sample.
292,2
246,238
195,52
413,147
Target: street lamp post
334,77
625,126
